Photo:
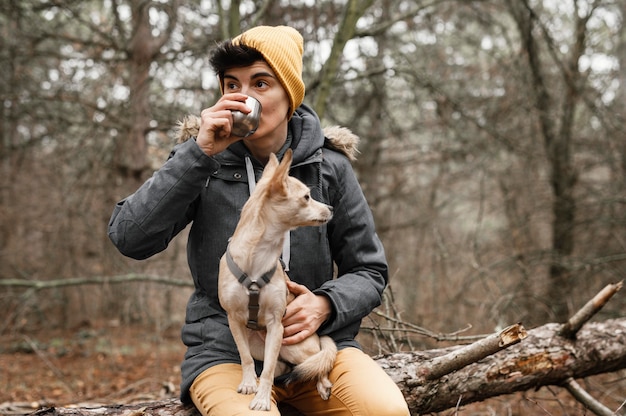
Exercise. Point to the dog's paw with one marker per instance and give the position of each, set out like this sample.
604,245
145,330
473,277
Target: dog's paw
323,387
247,387
260,402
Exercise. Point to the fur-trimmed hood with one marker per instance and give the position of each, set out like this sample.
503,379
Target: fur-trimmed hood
338,138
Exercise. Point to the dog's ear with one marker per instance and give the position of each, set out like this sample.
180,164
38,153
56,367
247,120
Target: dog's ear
279,179
283,169
271,165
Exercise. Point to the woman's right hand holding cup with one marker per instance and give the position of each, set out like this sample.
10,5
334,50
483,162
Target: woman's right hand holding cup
214,135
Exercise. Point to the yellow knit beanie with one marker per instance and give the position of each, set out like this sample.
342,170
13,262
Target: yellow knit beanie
282,48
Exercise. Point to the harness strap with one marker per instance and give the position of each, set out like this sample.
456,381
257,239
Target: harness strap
253,309
253,286
243,277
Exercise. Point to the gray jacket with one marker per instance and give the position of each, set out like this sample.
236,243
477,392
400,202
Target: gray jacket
209,192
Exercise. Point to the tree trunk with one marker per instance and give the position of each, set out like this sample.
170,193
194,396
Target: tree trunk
354,10
143,49
556,123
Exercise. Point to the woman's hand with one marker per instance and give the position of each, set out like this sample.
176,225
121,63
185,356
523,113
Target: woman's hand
305,314
216,123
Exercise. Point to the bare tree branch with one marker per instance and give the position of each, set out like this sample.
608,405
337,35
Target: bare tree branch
472,353
585,398
93,280
571,327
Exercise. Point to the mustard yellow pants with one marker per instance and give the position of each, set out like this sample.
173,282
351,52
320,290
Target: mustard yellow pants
360,388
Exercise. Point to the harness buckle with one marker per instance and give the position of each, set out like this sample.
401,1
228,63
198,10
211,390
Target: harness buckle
253,307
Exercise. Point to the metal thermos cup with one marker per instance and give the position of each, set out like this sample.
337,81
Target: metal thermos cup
246,124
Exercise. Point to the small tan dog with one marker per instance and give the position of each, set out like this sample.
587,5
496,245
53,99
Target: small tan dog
252,285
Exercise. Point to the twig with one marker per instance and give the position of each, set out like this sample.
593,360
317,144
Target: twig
458,405
573,325
412,328
586,399
472,353
49,364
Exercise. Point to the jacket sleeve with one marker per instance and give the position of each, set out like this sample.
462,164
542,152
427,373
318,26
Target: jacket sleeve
362,271
144,223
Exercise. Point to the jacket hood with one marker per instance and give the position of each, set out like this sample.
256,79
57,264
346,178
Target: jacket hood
307,137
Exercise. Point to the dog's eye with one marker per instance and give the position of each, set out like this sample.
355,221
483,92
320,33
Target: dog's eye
307,197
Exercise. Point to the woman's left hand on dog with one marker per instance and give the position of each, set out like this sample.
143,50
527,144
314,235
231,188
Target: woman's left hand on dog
304,315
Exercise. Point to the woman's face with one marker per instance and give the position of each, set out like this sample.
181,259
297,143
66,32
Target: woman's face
259,81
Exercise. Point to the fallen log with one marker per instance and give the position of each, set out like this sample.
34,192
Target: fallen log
543,358
169,407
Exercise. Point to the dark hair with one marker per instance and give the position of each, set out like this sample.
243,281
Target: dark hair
227,56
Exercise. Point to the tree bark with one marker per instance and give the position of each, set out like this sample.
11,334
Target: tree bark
543,358
170,407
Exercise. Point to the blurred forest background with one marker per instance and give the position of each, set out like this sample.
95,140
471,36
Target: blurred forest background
493,149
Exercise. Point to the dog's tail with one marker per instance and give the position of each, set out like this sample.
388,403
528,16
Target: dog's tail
317,365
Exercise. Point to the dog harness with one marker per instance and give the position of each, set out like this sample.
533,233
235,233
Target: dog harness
253,286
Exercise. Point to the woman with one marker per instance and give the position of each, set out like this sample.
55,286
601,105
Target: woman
206,182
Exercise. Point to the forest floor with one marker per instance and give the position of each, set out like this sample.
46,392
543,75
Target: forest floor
105,364
114,364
